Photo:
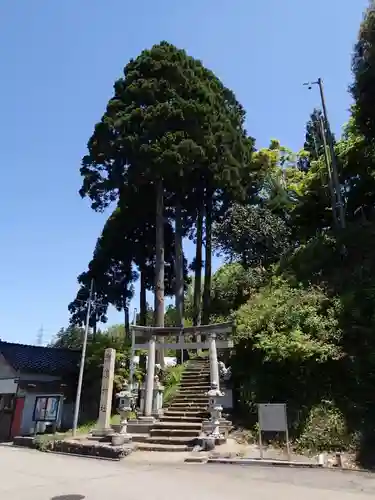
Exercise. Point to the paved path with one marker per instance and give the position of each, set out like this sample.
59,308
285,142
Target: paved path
31,475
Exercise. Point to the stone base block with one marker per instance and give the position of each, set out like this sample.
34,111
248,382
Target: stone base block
120,439
102,432
140,426
98,450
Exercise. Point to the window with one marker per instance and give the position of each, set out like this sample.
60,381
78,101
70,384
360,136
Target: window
6,402
46,408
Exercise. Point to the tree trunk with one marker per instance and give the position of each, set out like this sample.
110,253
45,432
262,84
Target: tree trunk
125,305
179,268
197,300
179,272
94,327
142,314
207,265
143,300
159,265
126,319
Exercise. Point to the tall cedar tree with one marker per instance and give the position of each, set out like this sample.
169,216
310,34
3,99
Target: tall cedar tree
171,121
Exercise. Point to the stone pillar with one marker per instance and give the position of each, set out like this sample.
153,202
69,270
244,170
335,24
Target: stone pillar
105,408
214,367
150,376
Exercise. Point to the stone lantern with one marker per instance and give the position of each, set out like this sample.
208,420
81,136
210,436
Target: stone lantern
125,407
215,410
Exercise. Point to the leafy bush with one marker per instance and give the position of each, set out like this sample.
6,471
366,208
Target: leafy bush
232,286
290,323
325,429
287,344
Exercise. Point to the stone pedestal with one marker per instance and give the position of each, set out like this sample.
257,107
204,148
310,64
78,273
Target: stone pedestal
224,427
141,425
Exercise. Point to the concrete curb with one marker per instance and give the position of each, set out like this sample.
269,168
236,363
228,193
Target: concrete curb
264,463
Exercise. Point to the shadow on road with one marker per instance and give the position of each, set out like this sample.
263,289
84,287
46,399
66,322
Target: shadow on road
69,497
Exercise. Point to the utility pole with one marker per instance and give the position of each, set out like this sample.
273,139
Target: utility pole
331,188
82,364
39,339
329,138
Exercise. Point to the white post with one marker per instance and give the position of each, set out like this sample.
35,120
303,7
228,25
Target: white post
150,376
214,367
82,364
132,353
260,443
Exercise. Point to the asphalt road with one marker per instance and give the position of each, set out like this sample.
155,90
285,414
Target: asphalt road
31,475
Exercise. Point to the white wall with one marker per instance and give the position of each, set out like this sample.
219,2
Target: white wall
8,386
6,371
227,400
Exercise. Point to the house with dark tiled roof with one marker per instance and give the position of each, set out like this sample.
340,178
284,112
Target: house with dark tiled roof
34,383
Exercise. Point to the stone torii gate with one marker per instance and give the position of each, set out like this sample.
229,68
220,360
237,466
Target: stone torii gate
146,337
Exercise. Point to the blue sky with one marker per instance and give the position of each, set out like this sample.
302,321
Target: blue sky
59,60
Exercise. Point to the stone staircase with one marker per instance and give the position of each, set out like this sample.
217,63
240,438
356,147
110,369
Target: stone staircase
181,424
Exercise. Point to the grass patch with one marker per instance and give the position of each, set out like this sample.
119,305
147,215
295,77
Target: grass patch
171,381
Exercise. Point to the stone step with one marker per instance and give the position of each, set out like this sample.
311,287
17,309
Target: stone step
198,410
140,438
190,399
167,433
185,413
188,404
163,447
182,419
191,395
177,425
188,390
181,440
195,385
197,369
195,378
193,411
201,414
201,368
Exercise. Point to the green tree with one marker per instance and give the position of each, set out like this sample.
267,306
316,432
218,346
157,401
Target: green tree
252,235
113,337
314,141
356,157
363,67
